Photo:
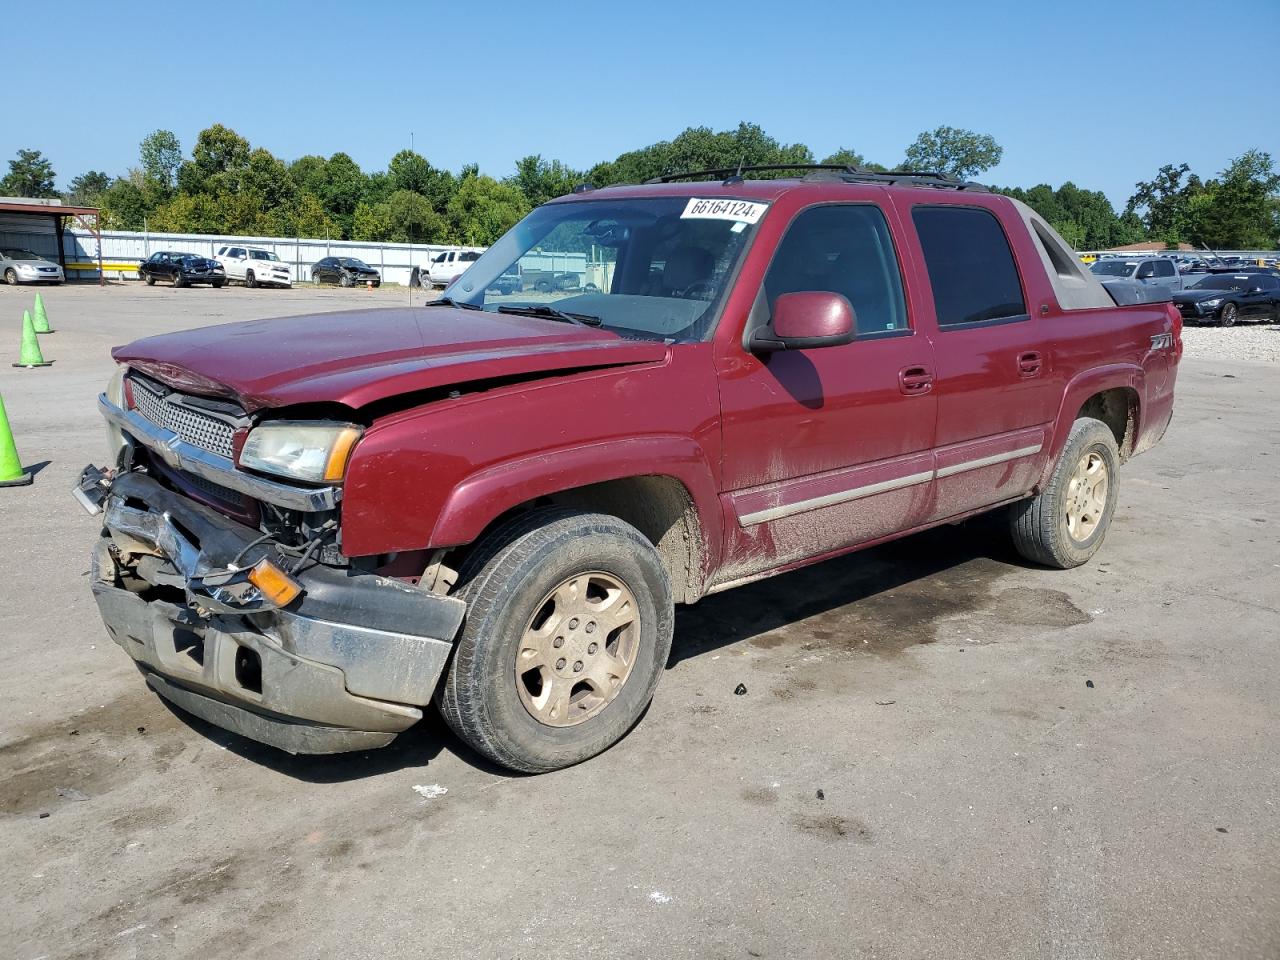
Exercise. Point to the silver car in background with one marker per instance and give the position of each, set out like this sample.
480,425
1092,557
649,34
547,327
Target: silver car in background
23,266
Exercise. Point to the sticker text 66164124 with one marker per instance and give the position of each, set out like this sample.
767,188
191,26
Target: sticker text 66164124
743,211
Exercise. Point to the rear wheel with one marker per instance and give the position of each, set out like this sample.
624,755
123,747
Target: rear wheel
250,280
1065,524
1229,315
568,627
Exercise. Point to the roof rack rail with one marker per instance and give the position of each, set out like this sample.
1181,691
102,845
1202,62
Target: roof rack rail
918,178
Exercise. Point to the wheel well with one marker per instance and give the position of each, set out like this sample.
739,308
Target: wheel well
658,506
1118,409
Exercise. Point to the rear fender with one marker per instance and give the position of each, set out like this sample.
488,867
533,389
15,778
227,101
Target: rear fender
487,494
1079,390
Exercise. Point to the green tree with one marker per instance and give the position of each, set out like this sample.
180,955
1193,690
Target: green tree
218,161
542,180
161,155
1164,202
700,148
87,188
1237,211
412,171
30,175
305,218
852,158
483,209
267,178
957,153
124,206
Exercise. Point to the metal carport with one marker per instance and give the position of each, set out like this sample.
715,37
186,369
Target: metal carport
25,215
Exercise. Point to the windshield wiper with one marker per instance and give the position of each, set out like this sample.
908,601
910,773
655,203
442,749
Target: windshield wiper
450,302
551,313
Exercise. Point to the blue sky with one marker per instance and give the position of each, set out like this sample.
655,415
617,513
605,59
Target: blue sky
1099,93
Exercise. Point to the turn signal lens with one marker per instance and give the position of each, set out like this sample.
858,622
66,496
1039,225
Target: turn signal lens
336,468
276,585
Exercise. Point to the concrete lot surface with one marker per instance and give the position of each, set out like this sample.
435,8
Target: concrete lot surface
917,769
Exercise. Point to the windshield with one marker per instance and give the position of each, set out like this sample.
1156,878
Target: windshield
653,268
1222,283
351,262
20,255
1113,268
262,255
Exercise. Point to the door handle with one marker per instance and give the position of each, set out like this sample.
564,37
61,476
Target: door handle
1029,363
914,381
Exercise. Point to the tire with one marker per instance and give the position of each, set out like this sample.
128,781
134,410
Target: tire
151,281
1228,315
178,281
217,284
542,286
516,575
1042,525
250,280
11,277
345,281
315,279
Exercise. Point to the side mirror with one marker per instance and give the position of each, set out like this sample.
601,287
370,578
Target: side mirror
806,321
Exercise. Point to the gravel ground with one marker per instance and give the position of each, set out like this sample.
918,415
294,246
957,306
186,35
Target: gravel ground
1250,341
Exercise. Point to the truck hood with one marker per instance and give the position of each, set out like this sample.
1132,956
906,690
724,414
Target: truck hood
359,357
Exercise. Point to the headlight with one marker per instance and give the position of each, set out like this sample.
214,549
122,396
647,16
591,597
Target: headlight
1211,303
26,268
115,386
115,396
315,452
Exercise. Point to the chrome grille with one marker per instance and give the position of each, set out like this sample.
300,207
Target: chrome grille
198,429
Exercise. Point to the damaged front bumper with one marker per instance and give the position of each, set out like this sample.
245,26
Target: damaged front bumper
347,665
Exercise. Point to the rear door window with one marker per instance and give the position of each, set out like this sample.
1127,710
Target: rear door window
1164,268
844,249
971,267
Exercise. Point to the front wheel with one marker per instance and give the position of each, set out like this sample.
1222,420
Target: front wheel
151,281
178,281
11,277
217,284
1229,315
1065,524
346,281
568,627
250,280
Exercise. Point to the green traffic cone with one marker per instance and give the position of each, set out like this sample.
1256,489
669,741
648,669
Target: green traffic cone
41,318
11,472
30,355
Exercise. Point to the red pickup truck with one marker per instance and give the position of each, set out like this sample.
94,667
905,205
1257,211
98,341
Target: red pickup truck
314,526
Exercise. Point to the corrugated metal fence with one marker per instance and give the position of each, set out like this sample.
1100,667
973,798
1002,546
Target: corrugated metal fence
123,250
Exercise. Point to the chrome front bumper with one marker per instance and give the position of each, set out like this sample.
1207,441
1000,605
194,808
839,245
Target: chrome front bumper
346,666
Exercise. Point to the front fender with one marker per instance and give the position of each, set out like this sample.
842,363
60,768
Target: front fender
487,494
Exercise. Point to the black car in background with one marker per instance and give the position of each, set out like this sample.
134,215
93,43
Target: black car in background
345,272
1225,298
181,269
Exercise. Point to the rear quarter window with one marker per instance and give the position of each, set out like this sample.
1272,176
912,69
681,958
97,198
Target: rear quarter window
971,267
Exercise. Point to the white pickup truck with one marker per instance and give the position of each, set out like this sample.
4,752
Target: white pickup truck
254,267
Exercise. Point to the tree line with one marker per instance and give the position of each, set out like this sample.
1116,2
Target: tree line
228,186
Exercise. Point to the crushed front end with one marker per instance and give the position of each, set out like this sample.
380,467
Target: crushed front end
229,589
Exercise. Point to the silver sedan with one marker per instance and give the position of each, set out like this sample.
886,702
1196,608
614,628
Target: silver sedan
23,266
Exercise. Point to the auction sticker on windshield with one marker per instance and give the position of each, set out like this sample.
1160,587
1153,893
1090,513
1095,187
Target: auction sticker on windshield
743,211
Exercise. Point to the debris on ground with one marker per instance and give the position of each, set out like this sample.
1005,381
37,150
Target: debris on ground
1089,684
740,689
71,793
429,791
820,795
659,897
885,703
